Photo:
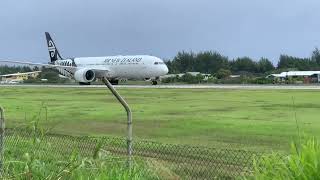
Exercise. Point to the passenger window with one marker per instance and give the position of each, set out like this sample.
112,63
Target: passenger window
156,63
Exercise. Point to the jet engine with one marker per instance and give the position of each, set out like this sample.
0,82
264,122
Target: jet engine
84,75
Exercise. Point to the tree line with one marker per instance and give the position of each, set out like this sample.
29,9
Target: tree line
51,75
211,62
5,69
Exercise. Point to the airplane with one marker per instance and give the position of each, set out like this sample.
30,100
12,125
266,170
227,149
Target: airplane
85,70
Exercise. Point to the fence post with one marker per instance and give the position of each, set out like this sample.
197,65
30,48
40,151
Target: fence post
129,118
2,127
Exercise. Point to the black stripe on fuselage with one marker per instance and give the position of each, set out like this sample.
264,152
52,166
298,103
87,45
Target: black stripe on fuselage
67,62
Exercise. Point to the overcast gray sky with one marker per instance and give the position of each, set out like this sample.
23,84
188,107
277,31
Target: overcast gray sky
253,28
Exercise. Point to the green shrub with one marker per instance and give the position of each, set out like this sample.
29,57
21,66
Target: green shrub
261,80
223,73
303,163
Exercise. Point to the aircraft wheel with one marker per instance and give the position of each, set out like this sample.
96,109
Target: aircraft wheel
114,82
154,82
84,83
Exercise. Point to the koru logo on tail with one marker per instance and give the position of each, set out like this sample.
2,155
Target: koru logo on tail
51,48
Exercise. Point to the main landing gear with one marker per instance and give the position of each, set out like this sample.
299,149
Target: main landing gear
84,83
114,81
154,82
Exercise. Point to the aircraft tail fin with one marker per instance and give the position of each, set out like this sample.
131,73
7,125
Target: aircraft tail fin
52,48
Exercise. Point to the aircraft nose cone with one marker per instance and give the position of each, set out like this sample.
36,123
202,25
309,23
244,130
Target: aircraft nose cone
165,70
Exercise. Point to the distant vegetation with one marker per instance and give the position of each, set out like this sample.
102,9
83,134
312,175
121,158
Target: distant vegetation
50,75
211,62
251,71
13,69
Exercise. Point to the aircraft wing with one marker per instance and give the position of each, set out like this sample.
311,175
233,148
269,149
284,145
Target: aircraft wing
39,64
99,70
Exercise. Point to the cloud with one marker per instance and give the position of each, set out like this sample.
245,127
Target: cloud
99,28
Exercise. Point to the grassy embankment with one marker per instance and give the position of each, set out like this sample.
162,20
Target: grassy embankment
216,118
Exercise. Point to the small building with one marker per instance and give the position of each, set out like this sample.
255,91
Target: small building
235,76
307,76
193,73
205,76
18,77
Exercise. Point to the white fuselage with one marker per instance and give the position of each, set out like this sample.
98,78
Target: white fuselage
118,67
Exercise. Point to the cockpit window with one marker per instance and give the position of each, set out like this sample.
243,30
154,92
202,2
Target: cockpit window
156,63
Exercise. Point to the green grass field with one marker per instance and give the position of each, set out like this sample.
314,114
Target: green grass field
209,117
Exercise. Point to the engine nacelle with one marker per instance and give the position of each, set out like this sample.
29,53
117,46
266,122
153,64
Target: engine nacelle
84,75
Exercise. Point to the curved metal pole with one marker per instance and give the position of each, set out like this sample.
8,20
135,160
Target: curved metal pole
129,117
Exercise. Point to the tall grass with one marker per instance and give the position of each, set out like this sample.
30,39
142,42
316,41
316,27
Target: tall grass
31,159
30,167
303,163
34,158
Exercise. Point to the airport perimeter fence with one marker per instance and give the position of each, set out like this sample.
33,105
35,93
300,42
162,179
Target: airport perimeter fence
179,161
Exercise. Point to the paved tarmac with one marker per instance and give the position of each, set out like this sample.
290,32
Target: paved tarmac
202,86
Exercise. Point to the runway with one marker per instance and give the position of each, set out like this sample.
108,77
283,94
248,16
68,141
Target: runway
202,86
